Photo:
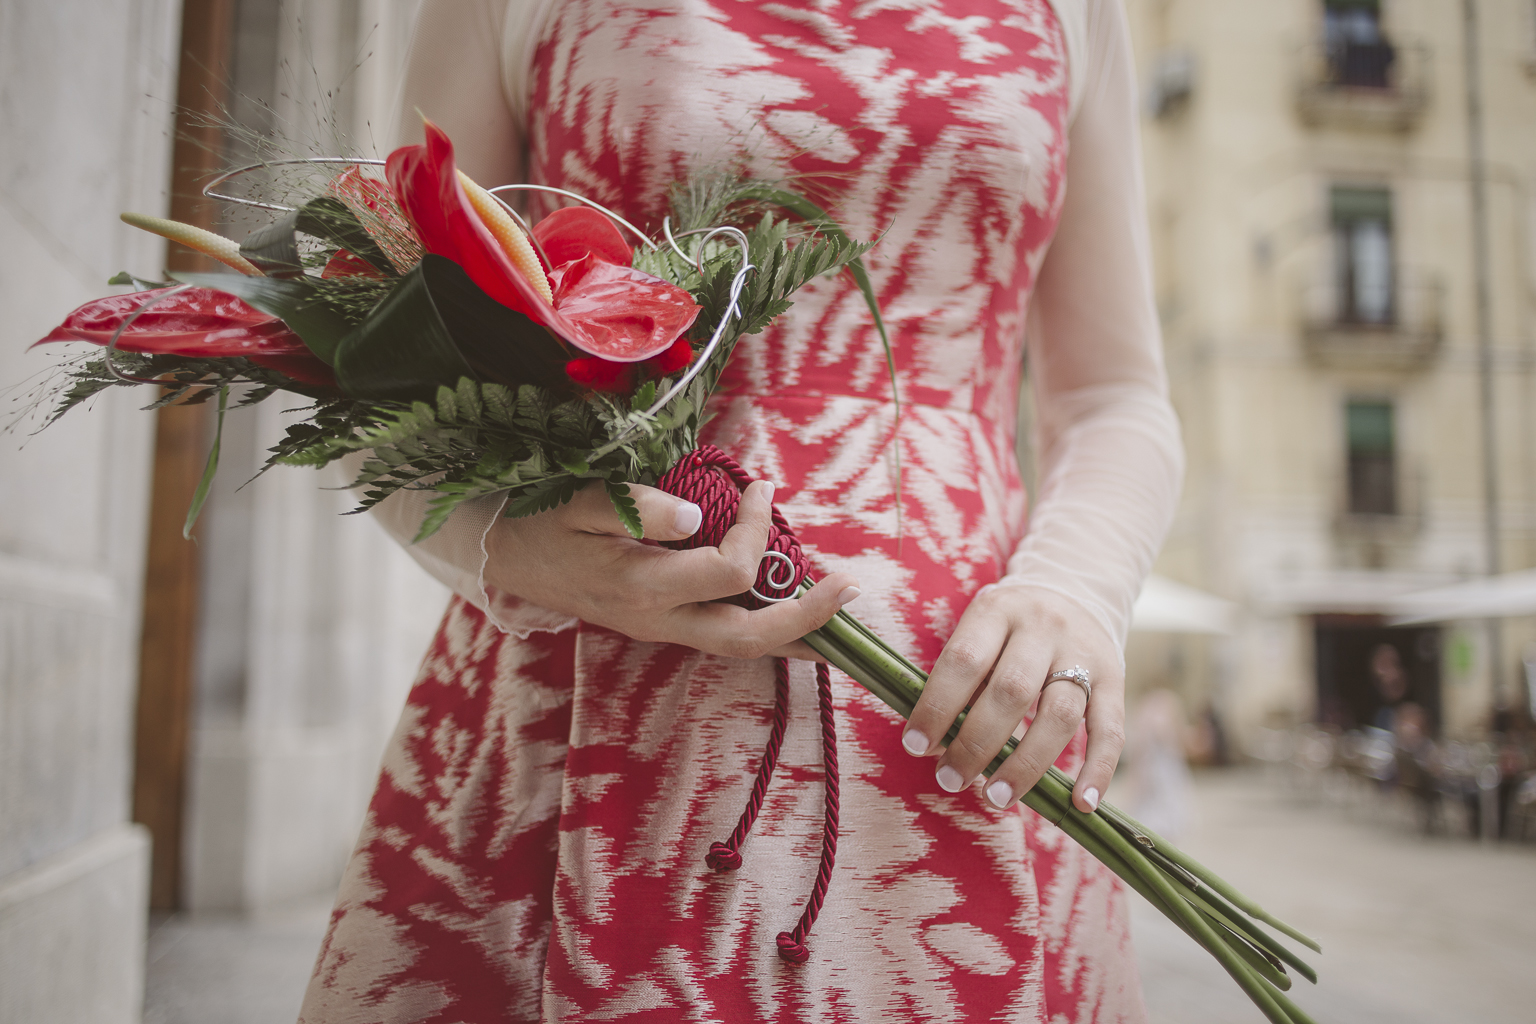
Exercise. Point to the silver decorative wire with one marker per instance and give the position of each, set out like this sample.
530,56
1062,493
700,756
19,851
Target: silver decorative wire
708,233
208,189
788,565
599,207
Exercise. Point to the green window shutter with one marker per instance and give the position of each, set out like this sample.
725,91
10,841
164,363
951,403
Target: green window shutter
1349,203
1370,429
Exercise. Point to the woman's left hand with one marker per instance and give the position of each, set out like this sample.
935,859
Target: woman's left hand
1011,637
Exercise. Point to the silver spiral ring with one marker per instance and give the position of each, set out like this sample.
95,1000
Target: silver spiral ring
787,564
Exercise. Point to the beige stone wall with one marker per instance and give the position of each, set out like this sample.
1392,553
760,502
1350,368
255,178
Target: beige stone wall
1238,177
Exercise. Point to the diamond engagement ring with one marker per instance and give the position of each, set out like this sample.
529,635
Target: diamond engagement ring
1076,674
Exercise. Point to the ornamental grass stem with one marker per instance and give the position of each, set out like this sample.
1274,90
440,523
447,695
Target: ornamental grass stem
1202,905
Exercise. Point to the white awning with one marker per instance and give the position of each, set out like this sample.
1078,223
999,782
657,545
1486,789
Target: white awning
1168,607
1491,597
1340,591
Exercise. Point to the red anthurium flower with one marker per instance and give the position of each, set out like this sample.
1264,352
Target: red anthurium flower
572,232
625,316
198,322
602,307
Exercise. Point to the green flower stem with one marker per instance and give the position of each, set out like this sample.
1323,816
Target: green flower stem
1214,881
1110,857
1169,879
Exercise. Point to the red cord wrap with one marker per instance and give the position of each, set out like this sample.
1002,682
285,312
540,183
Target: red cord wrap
714,481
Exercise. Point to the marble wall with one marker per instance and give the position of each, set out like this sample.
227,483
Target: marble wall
85,99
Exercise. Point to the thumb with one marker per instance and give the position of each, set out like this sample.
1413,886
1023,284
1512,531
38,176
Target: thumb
664,516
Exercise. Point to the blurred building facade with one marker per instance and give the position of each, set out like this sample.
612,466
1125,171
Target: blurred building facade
1309,186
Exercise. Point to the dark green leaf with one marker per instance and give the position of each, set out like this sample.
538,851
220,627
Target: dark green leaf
644,396
552,492
447,404
468,396
438,326
624,505
210,469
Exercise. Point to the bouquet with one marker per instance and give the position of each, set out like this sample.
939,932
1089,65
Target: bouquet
470,354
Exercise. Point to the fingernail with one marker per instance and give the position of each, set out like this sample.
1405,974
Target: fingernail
999,794
768,491
847,594
915,742
689,516
950,780
1091,798
983,590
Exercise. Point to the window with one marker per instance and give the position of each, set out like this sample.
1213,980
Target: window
1358,55
1362,239
1372,459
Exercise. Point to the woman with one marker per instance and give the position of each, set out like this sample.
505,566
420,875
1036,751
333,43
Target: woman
586,722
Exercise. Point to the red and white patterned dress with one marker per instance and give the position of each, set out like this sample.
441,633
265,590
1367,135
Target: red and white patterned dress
535,848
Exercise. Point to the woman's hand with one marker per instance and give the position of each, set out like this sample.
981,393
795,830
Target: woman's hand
578,559
1008,641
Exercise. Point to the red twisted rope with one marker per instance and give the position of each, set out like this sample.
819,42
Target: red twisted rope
714,481
792,944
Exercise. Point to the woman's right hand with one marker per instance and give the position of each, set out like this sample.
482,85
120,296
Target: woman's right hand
578,559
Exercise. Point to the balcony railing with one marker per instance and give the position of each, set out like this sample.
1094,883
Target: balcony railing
1381,85
1402,333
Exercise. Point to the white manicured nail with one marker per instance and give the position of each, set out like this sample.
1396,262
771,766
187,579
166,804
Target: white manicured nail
999,794
1091,798
689,516
768,491
983,590
915,742
949,778
847,594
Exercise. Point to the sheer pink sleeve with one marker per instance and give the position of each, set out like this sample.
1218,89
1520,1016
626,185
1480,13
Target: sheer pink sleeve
1110,455
454,77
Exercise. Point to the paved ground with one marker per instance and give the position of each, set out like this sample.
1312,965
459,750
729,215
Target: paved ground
1416,931
232,970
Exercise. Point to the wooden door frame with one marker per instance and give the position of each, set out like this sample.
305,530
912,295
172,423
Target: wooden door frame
168,641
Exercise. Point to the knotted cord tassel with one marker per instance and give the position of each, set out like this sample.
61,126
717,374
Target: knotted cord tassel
726,856
713,480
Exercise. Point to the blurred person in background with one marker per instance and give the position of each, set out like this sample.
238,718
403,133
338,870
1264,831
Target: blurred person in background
1391,683
1156,786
